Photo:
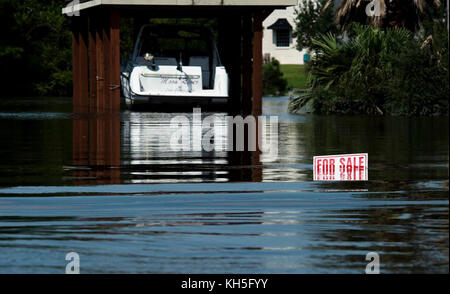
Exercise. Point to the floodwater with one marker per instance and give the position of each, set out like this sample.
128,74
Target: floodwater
111,189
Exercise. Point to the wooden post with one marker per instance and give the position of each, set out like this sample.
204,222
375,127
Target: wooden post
247,64
114,89
229,44
234,47
258,18
257,64
114,85
92,63
100,63
93,26
80,63
107,61
80,91
107,57
96,141
76,70
106,120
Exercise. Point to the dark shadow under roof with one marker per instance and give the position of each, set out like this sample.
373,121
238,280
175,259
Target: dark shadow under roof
280,24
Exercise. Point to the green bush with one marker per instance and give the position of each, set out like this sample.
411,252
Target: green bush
420,81
274,82
378,72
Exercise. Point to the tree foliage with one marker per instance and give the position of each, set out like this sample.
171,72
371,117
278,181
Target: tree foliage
379,72
408,14
313,17
35,48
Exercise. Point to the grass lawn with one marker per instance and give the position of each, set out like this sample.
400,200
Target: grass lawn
295,75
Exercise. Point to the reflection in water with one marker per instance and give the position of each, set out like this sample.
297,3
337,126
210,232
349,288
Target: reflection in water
148,157
146,209
96,148
146,141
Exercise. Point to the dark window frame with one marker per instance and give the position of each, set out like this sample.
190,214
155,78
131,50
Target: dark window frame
283,41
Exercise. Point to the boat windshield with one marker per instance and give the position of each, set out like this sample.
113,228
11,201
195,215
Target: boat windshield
175,43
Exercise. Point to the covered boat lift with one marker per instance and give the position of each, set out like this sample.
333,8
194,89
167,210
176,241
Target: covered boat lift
96,45
96,71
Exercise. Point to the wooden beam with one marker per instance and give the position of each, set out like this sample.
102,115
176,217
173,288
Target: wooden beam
257,64
114,85
234,42
229,45
79,63
76,62
93,27
114,89
107,57
247,29
106,122
84,63
100,63
92,63
258,18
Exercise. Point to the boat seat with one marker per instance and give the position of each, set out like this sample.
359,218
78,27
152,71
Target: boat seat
203,62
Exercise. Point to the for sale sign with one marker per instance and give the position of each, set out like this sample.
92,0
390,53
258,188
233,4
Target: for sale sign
345,167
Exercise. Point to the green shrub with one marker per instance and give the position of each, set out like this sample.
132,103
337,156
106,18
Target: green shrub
377,72
420,81
274,82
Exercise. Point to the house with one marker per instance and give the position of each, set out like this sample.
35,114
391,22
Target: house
277,39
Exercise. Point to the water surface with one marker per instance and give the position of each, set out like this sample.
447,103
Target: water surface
110,189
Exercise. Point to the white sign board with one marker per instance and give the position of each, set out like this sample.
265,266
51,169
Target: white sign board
345,167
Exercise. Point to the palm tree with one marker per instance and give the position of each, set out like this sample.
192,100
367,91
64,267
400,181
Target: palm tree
407,14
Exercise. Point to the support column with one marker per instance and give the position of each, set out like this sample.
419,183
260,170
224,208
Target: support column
96,141
107,57
114,86
258,19
105,61
92,62
257,64
247,29
80,91
229,48
234,47
100,62
80,62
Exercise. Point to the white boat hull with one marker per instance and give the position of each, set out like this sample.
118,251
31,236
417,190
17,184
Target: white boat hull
164,79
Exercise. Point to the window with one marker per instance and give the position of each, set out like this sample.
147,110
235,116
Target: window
283,37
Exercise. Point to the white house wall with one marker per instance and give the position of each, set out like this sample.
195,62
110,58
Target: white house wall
285,55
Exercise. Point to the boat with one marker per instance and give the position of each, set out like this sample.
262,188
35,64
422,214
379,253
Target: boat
173,64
